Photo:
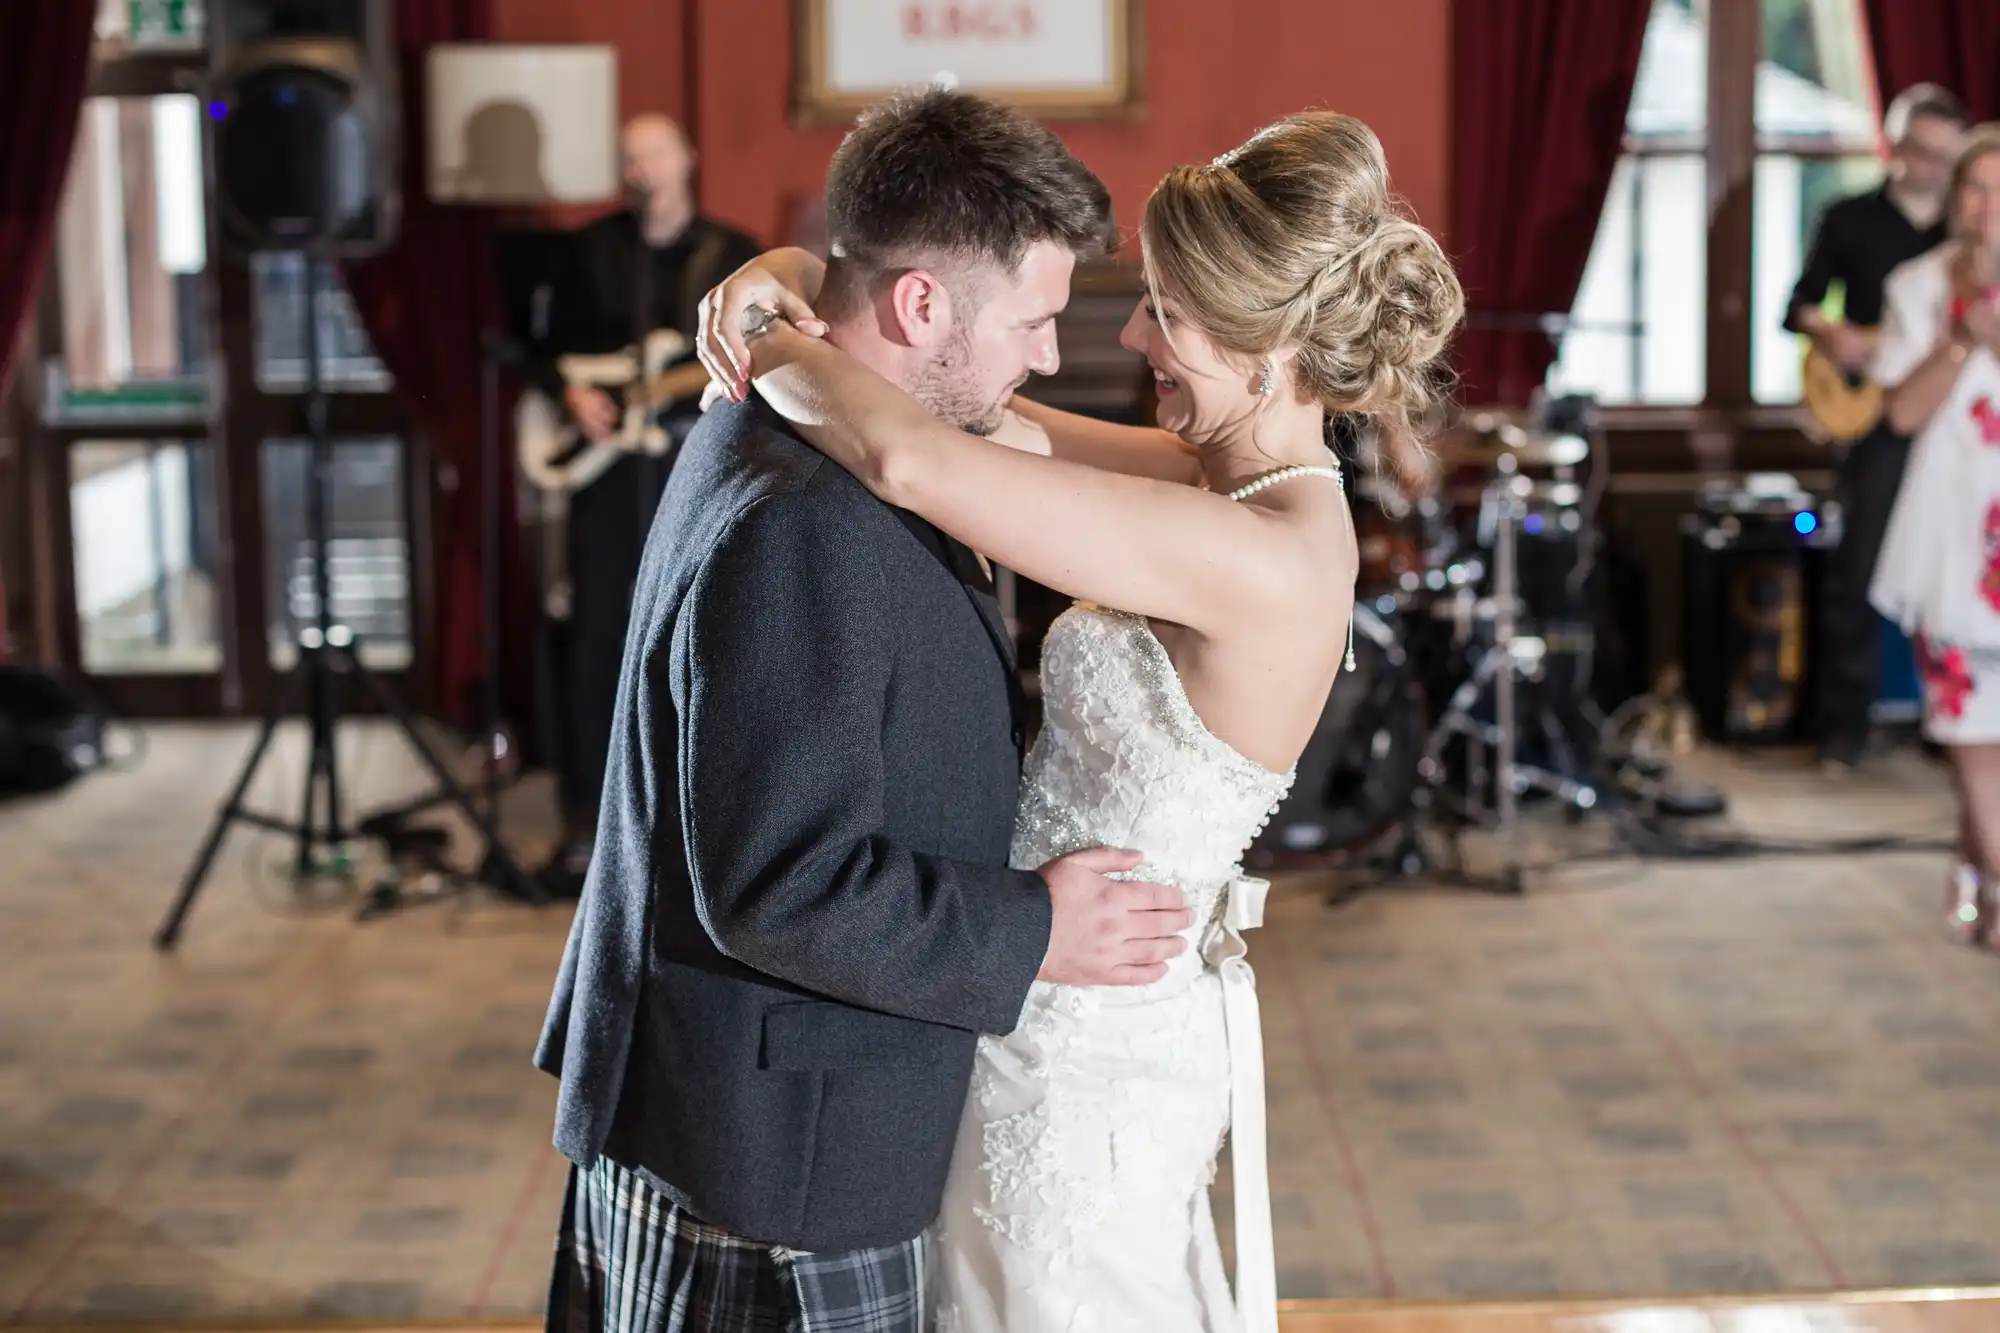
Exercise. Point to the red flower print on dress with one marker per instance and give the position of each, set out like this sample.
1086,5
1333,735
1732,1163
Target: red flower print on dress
1988,418
1947,678
1989,578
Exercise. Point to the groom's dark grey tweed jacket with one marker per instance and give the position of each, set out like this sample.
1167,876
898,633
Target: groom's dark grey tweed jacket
799,916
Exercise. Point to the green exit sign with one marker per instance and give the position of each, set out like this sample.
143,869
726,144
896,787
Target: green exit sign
164,21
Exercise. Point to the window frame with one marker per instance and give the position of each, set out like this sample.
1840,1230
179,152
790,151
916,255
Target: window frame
1728,427
238,417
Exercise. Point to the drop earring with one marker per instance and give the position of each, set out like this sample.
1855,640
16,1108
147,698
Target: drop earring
1264,382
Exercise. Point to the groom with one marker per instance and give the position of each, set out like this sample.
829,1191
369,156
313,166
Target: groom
799,916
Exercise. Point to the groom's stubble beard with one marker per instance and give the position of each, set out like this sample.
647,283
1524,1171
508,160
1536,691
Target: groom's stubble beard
948,387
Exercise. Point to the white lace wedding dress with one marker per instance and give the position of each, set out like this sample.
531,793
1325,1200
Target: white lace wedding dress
1078,1198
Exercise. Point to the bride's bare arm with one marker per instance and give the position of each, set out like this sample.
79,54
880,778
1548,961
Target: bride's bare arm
788,280
1137,451
1144,545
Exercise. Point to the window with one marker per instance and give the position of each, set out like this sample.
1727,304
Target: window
347,361
1637,332
132,248
1640,326
169,387
1817,135
143,541
368,549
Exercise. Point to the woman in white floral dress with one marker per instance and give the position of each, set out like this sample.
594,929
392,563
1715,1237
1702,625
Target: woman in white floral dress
1939,573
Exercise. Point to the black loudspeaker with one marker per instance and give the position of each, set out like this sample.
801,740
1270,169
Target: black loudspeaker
48,735
307,132
1750,575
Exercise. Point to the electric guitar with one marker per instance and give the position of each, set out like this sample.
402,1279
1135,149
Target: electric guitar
1844,405
556,455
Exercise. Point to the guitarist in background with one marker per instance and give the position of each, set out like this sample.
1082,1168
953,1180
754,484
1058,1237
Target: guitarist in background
639,270
1859,241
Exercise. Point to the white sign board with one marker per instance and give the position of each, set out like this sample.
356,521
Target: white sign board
510,124
1057,57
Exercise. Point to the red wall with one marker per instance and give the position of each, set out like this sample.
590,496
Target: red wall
1215,72
647,33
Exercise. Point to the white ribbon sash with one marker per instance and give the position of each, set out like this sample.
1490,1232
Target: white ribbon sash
1256,1249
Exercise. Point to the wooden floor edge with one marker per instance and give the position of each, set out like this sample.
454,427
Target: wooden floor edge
1643,1300
1540,1305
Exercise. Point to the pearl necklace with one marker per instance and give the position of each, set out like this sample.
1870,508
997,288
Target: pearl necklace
1269,479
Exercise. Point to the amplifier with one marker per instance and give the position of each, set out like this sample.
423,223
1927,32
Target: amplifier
1752,558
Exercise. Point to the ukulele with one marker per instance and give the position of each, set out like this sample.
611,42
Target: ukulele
1844,405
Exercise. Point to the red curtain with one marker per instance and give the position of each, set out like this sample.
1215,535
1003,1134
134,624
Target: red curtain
426,303
1539,90
1955,43
44,68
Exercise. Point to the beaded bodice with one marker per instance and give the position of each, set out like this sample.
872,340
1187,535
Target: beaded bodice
1123,761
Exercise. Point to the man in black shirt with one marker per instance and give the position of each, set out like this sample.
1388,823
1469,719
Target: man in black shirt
1859,242
640,269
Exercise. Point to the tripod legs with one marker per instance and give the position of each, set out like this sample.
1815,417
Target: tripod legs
232,809
316,671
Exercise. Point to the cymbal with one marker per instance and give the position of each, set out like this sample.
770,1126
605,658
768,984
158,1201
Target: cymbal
1525,449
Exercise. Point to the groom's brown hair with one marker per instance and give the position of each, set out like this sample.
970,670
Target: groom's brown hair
937,176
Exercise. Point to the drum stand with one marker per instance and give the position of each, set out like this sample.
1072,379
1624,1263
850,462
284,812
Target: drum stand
1484,789
1491,748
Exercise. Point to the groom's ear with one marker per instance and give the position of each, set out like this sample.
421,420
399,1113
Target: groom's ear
921,308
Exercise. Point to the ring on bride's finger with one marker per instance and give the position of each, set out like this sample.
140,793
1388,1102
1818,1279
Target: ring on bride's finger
757,321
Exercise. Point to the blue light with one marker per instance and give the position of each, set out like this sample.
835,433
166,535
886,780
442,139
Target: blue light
1805,522
1532,525
218,109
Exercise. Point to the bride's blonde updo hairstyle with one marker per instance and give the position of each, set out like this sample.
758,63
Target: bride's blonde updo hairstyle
1294,239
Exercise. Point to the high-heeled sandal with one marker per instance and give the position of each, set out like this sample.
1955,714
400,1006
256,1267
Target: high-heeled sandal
1969,906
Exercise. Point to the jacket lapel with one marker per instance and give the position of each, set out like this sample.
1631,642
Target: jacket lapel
978,586
964,567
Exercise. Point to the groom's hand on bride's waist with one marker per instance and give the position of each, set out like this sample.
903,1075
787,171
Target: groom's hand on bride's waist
1107,932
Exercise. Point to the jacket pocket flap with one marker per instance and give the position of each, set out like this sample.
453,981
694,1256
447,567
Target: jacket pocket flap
817,1035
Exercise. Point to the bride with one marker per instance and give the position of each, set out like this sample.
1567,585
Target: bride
1215,577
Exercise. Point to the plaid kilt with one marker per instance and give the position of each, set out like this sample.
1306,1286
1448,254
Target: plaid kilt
628,1260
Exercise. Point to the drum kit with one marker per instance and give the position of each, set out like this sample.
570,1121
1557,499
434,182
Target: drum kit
1474,640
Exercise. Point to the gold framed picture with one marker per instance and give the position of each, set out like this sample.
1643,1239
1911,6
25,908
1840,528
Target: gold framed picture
1059,59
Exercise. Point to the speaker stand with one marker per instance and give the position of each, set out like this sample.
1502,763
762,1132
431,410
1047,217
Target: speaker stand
327,651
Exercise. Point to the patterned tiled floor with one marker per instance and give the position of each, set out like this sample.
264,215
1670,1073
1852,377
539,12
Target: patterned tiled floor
1688,1076
293,1116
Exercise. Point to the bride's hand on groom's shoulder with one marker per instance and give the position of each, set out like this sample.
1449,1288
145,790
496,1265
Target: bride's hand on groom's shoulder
785,281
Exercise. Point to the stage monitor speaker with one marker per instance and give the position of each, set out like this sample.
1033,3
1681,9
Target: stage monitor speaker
1751,568
307,131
